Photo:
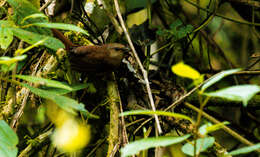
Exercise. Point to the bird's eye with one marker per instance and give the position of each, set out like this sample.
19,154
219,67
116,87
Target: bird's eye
118,48
122,49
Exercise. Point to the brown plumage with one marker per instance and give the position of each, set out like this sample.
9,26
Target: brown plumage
93,58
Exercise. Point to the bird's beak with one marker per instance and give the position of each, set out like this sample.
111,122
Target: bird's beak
126,49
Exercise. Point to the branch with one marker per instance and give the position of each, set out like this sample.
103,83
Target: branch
225,128
144,72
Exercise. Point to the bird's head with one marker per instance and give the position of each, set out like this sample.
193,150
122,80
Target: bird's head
118,49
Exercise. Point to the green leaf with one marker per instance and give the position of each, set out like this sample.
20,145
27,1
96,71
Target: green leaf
23,9
218,77
208,128
91,88
36,15
23,6
60,91
5,68
62,26
10,60
46,82
8,140
236,93
202,144
175,24
152,142
245,150
216,127
6,24
6,34
183,31
134,4
6,37
178,30
66,103
33,38
159,113
22,51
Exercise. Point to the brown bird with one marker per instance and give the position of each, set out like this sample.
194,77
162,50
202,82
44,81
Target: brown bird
93,58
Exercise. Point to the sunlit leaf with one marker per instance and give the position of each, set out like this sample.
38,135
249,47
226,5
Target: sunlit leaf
36,15
6,24
159,113
137,18
62,91
202,144
5,68
152,142
245,150
208,128
8,141
66,103
218,77
46,82
6,37
23,9
216,127
236,93
62,26
23,6
184,70
33,38
198,81
19,52
10,60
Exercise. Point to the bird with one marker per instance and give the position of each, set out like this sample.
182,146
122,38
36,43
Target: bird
98,58
93,58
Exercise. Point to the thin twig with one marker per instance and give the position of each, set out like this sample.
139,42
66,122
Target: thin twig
99,143
14,71
183,97
18,115
45,5
144,72
140,126
40,139
247,2
225,128
222,16
116,147
188,94
123,129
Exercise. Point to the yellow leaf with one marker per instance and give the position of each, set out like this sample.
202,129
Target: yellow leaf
137,18
71,136
198,80
184,70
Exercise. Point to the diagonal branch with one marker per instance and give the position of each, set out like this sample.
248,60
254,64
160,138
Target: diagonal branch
144,72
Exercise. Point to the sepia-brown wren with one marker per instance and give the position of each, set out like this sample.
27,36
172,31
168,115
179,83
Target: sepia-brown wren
93,58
